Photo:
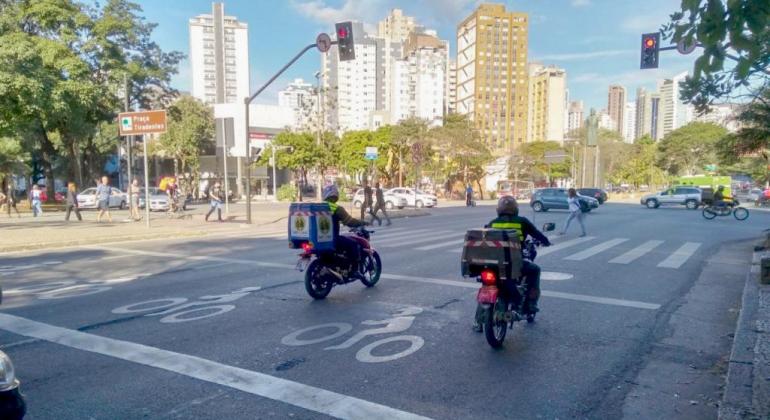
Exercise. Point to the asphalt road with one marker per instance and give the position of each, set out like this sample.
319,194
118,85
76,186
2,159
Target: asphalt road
213,328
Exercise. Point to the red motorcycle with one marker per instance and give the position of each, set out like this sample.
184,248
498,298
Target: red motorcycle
328,268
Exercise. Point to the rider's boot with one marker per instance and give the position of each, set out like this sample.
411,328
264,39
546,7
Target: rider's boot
477,319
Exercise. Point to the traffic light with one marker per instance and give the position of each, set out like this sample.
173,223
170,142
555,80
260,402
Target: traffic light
345,41
650,51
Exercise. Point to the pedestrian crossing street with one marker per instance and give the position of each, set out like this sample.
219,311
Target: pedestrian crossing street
669,254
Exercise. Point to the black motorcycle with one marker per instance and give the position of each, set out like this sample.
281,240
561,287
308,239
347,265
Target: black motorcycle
734,208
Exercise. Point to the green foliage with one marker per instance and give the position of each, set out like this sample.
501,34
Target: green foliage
685,151
529,162
287,192
460,154
640,167
754,135
738,28
12,155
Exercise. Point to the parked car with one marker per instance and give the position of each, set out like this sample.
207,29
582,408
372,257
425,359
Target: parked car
58,196
12,404
545,199
391,200
690,197
597,193
87,198
158,199
755,194
421,199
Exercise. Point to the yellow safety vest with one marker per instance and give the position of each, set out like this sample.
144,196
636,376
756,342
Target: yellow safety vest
510,226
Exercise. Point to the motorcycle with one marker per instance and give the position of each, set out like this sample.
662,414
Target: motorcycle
734,208
326,269
502,304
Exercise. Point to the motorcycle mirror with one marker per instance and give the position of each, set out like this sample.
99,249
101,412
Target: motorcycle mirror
549,227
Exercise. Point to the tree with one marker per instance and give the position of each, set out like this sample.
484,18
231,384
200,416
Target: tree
12,156
295,151
190,129
460,152
686,150
529,161
737,28
405,134
754,135
640,166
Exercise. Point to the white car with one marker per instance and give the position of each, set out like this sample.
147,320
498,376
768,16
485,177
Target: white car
87,198
419,200
755,194
391,200
158,199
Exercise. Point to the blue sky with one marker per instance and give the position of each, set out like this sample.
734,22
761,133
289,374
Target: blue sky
596,41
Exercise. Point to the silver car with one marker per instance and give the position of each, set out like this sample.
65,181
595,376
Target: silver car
158,199
391,200
420,199
689,197
87,198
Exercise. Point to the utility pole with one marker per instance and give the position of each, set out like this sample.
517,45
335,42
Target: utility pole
126,107
319,179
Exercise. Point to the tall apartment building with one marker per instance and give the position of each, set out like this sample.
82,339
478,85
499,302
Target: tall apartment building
301,98
396,27
605,121
575,117
616,104
219,56
629,123
426,57
451,94
674,112
723,115
547,92
648,122
492,74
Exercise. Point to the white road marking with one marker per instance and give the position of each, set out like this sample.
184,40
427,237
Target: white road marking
560,295
636,253
680,256
388,237
466,284
300,395
562,245
419,240
365,354
590,252
441,245
555,276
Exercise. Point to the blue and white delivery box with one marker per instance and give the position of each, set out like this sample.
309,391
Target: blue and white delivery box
311,223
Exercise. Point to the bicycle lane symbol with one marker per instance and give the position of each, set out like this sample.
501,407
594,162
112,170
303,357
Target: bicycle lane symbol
67,288
400,322
175,309
7,270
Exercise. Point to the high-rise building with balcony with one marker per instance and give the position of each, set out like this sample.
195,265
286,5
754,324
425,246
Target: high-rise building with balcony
492,75
575,117
547,92
629,123
219,56
616,106
674,112
451,95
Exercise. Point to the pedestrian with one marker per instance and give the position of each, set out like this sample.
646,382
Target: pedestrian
133,194
468,196
380,205
35,201
215,197
72,202
367,205
103,193
8,200
575,212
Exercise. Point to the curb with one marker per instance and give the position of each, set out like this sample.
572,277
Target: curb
68,244
739,392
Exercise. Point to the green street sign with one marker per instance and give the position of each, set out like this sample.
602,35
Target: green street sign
711,168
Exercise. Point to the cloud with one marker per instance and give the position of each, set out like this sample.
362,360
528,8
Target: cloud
585,55
580,3
644,23
360,10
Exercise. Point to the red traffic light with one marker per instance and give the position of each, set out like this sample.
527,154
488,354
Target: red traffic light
342,32
649,42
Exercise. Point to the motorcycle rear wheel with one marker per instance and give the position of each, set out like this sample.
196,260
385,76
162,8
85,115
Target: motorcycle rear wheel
494,330
373,267
709,213
317,285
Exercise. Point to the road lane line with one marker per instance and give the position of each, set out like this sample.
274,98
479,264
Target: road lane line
590,252
680,256
636,253
389,236
560,295
441,245
300,395
418,240
466,284
562,245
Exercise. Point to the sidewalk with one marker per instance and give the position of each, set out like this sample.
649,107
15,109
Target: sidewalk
747,390
51,231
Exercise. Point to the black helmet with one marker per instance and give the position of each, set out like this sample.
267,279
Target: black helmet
721,188
507,206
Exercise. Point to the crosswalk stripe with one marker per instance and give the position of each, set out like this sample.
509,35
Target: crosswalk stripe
419,240
590,252
441,245
562,245
389,236
680,256
636,253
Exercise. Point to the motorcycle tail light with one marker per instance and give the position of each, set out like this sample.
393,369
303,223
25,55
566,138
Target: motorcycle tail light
488,277
307,246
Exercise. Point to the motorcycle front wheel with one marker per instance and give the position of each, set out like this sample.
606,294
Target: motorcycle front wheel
495,327
740,213
372,269
317,284
709,213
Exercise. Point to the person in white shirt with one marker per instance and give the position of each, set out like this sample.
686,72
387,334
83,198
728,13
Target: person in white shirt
575,212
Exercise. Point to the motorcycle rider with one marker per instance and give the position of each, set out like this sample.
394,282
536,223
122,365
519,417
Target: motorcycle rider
508,218
720,199
339,215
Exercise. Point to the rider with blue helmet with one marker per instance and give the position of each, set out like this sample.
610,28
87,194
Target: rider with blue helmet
339,215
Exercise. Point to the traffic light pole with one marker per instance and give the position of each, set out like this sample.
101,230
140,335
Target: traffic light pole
247,102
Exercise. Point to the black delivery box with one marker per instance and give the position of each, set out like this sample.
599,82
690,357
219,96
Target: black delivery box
495,249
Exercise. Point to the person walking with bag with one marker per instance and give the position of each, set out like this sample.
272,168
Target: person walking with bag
380,205
72,202
575,212
215,197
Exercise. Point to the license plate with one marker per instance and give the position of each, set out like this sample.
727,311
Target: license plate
302,264
487,294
